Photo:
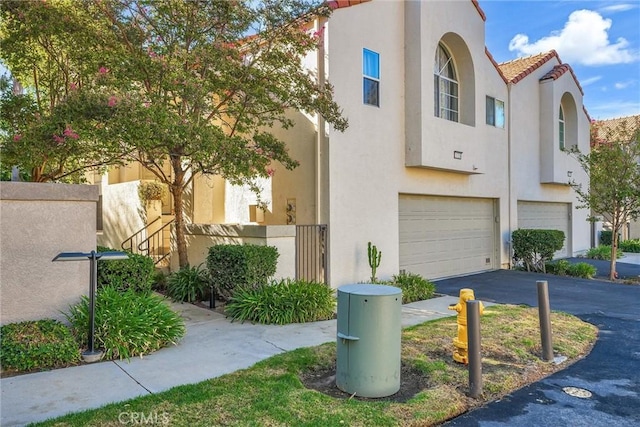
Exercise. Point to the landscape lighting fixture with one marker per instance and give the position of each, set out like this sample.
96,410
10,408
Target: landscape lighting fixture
91,355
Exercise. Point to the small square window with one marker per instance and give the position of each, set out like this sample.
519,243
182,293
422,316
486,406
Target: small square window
371,77
495,112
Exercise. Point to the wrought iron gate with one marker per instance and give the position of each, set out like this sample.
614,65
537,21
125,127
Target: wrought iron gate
311,252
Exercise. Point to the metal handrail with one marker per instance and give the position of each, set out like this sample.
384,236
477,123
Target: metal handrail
154,244
136,235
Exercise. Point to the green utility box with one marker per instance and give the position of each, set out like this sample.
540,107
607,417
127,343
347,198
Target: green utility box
368,341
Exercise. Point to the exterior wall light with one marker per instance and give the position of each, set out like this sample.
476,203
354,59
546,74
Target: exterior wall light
457,155
91,355
569,173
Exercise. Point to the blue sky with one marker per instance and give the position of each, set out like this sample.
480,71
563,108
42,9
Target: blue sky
599,39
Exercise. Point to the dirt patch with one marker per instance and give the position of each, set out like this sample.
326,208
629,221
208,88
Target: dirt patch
412,381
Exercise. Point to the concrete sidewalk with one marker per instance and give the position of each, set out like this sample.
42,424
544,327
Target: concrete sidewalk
213,346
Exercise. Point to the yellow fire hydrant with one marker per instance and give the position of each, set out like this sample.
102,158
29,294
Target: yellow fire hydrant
460,353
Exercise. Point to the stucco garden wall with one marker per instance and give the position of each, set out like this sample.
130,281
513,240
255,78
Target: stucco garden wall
37,222
200,237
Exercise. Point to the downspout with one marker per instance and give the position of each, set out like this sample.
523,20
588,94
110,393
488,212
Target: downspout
509,173
319,23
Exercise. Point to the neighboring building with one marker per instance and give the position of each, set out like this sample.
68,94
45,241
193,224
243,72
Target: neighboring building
619,129
446,154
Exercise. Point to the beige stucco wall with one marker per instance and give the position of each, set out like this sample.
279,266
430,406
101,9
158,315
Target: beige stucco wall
37,222
368,167
535,153
200,237
122,213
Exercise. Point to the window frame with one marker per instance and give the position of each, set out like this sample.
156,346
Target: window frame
494,112
562,130
446,90
370,78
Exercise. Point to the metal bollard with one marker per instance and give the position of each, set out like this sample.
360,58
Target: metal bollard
212,298
544,313
475,357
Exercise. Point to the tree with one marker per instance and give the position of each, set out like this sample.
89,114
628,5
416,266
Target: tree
614,169
201,84
50,50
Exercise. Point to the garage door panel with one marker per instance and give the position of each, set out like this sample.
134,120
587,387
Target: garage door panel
548,216
446,236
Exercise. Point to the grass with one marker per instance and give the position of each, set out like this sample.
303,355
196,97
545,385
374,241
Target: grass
271,392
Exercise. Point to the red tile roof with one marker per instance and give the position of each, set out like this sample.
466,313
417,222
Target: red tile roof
620,129
518,69
479,9
558,71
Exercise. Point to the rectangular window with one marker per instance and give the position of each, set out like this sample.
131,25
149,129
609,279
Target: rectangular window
495,112
371,77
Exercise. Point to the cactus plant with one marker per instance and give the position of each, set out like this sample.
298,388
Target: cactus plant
374,260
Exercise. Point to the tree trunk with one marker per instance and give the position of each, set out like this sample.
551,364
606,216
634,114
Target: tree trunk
177,190
181,241
614,249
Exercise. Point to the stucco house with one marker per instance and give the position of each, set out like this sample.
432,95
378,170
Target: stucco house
446,154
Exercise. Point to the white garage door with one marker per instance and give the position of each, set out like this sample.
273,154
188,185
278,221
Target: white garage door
549,216
447,236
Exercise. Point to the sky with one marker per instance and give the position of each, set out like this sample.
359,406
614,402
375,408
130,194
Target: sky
599,39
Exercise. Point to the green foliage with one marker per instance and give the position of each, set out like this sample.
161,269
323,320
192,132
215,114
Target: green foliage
559,267
414,287
606,237
562,267
534,247
283,302
235,266
582,269
614,174
630,246
602,252
137,272
42,344
188,284
374,260
127,323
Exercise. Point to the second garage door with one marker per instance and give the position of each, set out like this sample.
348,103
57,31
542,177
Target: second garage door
447,236
548,216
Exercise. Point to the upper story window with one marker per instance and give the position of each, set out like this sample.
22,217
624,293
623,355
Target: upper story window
371,77
561,128
495,112
445,86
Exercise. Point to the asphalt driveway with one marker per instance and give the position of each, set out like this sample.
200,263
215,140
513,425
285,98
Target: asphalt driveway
611,372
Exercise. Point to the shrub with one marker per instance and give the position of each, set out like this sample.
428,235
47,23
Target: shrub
559,267
41,344
137,272
188,284
233,266
283,302
630,246
602,253
414,287
535,247
582,269
127,323
606,237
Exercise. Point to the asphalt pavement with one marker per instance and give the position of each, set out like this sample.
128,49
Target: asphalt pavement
610,373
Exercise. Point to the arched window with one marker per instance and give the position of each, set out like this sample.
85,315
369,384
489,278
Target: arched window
561,128
445,86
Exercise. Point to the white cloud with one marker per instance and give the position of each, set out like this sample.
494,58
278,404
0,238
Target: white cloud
624,85
583,40
590,80
623,7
